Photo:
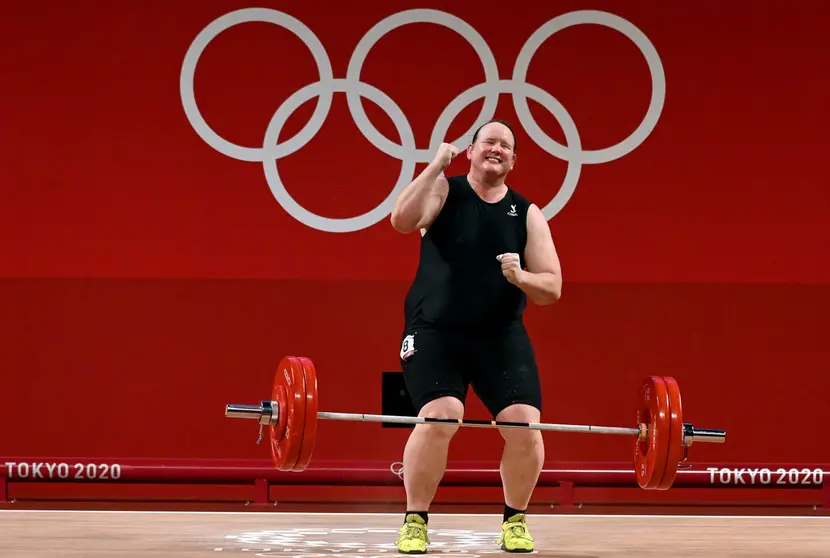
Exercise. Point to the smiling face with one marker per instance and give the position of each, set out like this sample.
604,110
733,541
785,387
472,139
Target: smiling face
492,152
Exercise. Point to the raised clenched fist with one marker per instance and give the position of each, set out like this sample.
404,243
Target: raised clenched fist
445,154
511,267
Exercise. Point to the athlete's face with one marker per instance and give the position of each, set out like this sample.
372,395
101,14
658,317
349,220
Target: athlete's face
492,152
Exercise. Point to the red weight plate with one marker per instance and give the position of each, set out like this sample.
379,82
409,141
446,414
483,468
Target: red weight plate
650,454
287,435
311,408
675,450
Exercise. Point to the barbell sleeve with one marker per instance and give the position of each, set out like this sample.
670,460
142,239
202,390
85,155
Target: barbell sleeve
243,411
709,435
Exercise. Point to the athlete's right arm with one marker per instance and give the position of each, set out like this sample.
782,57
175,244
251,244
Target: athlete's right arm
419,203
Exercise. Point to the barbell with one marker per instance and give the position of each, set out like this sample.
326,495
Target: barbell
662,439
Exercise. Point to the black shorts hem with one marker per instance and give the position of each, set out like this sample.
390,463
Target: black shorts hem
420,402
496,409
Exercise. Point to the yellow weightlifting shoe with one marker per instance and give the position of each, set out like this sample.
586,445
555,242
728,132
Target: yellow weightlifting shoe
413,538
515,536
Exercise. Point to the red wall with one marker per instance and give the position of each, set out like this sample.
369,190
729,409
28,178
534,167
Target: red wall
148,279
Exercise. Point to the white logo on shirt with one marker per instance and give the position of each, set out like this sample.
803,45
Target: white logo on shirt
512,211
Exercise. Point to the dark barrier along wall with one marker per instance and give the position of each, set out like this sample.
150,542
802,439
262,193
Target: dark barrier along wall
366,486
143,368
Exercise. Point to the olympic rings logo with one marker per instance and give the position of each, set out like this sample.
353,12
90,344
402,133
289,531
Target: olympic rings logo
407,152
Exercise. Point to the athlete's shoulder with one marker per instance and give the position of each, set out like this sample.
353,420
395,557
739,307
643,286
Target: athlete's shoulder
459,180
459,189
519,199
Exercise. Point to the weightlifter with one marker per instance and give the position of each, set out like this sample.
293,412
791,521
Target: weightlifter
485,249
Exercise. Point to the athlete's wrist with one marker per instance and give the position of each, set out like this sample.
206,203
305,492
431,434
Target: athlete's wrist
522,278
541,288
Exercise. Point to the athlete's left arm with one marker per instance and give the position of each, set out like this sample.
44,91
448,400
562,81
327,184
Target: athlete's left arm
541,280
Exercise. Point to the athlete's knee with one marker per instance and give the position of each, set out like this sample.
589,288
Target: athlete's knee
441,408
520,436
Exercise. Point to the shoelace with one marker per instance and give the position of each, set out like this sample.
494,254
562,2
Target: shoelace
414,531
518,529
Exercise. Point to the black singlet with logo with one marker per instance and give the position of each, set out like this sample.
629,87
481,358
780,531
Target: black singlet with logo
459,283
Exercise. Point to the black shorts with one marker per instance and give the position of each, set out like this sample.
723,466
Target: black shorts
501,366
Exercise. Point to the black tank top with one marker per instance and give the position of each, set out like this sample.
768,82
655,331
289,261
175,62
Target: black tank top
459,282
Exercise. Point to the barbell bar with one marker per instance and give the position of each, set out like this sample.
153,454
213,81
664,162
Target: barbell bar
691,433
291,415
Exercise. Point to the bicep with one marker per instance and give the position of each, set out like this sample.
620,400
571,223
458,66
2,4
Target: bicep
434,202
540,251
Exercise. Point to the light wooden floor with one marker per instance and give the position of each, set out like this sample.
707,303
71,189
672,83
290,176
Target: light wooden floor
72,534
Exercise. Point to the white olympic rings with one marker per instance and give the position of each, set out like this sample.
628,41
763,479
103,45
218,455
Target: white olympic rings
407,152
